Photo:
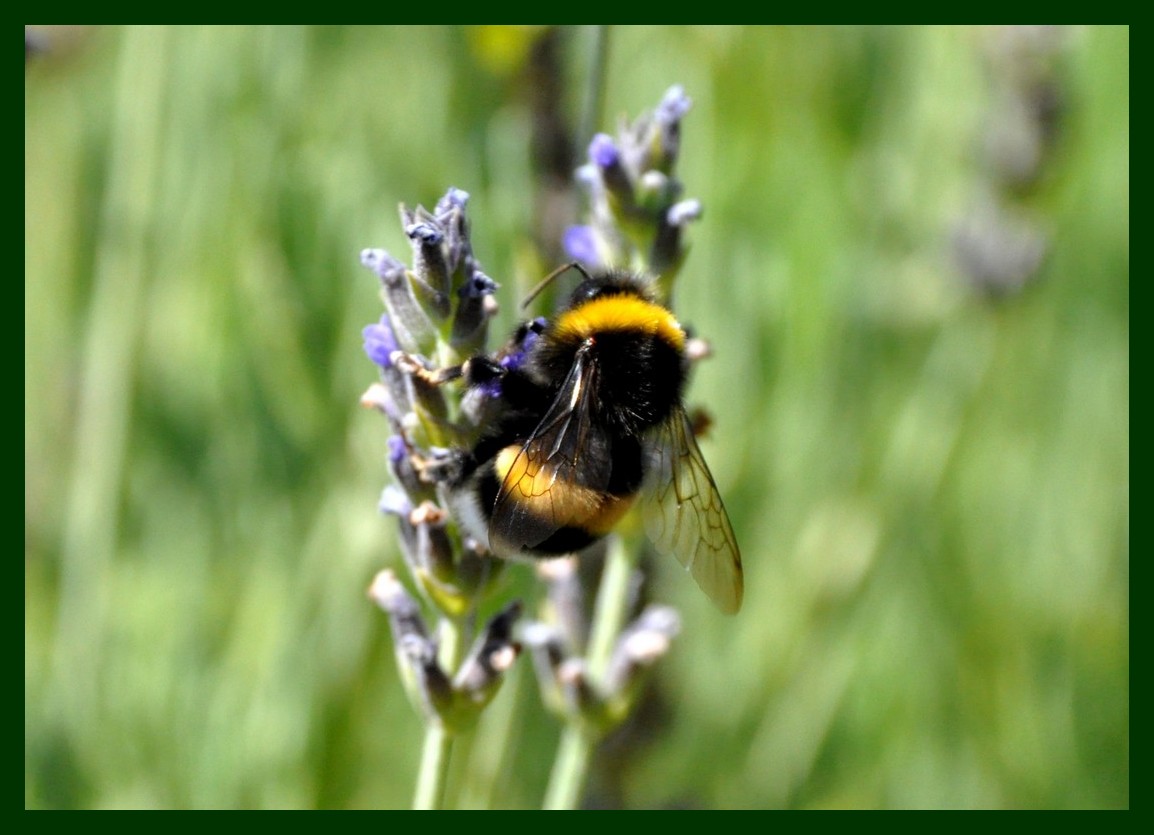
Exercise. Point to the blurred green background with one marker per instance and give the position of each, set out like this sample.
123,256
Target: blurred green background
930,480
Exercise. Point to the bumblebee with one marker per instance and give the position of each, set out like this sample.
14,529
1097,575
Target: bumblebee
587,421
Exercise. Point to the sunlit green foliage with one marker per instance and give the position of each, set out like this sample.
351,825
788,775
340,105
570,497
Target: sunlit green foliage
930,485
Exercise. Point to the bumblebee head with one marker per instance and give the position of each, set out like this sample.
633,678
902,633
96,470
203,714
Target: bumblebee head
612,283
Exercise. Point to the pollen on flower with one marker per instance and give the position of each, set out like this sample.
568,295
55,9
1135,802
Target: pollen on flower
376,396
502,658
386,589
646,647
427,513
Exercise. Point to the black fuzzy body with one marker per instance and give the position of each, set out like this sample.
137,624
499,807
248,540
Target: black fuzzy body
619,356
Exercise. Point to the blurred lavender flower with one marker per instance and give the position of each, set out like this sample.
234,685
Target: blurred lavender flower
590,668
1029,99
997,246
997,251
34,43
595,702
636,214
456,702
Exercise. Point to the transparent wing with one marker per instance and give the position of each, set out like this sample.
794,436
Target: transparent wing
685,517
558,475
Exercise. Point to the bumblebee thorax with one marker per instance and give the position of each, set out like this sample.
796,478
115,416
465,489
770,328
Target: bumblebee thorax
632,349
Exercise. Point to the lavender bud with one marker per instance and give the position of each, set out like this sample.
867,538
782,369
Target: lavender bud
576,691
566,597
673,108
474,310
434,550
640,645
453,199
492,655
604,154
430,272
450,215
411,326
580,244
548,648
380,342
679,214
380,397
434,690
395,502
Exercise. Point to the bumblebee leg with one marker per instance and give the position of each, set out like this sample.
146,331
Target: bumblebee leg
442,467
412,366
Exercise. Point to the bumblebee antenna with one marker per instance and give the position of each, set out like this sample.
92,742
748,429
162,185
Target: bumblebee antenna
547,280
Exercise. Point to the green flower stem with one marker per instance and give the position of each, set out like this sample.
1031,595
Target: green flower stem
571,766
595,92
434,773
612,607
438,749
580,737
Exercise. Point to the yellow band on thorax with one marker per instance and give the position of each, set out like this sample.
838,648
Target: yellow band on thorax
621,313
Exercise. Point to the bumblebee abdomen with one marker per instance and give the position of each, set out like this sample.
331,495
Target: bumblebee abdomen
546,508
